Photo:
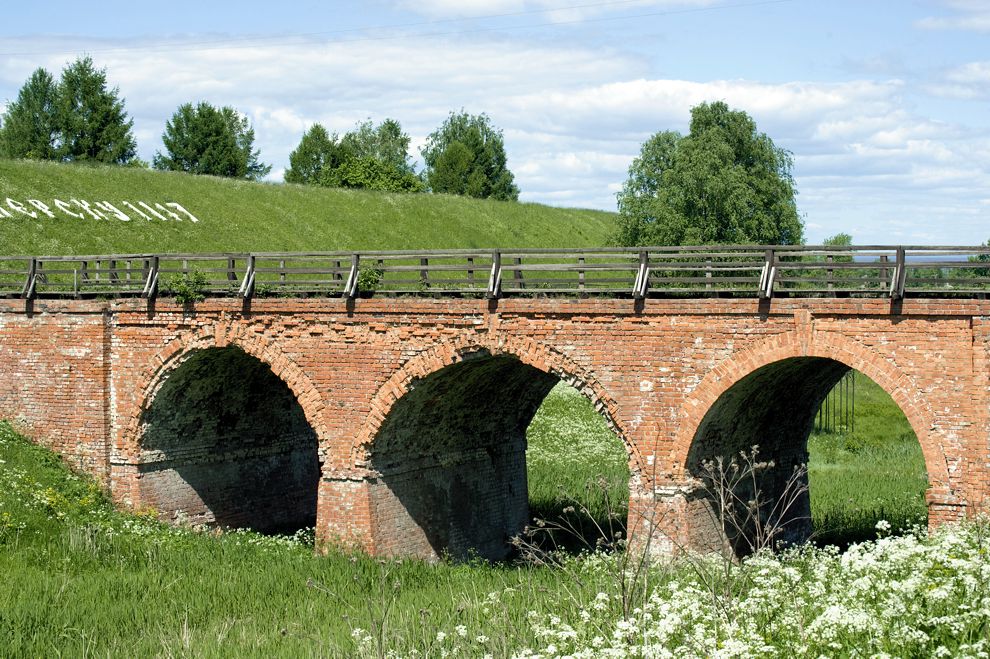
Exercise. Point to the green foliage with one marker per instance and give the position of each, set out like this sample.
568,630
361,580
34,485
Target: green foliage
92,121
466,156
724,182
79,119
203,139
29,128
369,157
316,152
982,258
187,287
369,278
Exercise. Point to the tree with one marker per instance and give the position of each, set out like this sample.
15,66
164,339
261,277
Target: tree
724,182
466,156
981,258
29,129
92,123
76,119
203,139
316,151
370,157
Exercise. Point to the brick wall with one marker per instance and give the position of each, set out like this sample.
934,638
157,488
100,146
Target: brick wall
82,373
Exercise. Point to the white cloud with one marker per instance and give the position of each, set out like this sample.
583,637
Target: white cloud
970,15
967,81
552,10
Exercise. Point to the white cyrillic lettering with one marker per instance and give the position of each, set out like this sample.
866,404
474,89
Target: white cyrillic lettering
168,212
83,204
172,204
42,206
110,209
152,211
65,208
4,213
20,208
136,210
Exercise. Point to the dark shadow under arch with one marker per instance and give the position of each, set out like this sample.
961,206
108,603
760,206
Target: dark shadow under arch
226,443
774,408
451,459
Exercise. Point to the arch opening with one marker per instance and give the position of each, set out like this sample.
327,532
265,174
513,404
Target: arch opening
450,460
225,443
775,408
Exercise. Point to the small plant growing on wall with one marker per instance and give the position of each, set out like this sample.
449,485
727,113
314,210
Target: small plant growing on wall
187,287
369,278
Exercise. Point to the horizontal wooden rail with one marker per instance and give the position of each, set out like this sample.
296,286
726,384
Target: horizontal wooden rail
763,271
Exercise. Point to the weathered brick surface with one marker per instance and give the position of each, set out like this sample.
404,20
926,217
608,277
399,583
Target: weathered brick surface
81,375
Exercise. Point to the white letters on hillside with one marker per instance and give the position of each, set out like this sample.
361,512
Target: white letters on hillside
81,209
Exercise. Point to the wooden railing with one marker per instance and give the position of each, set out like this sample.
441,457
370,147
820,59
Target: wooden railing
762,271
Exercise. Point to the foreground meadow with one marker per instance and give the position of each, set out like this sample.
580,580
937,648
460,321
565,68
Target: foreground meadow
78,578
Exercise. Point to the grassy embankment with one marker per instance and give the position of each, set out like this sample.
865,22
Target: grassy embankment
238,216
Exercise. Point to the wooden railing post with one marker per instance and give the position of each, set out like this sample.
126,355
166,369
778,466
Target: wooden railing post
247,284
351,288
642,282
900,276
151,283
424,274
495,278
27,292
768,275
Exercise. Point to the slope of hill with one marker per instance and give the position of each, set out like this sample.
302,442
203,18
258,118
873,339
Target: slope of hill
238,216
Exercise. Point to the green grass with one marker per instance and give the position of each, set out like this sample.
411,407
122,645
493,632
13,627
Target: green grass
239,216
82,579
574,459
876,472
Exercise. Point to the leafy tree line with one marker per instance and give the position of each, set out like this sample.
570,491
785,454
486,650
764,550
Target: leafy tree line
79,118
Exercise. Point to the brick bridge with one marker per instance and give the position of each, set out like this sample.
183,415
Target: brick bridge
397,423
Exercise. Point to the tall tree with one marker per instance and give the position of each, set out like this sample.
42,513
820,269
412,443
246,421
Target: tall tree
29,128
317,150
466,156
92,122
724,182
203,139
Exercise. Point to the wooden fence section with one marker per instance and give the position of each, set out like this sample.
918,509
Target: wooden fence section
761,271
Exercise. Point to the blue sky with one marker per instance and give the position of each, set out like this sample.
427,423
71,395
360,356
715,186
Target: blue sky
884,104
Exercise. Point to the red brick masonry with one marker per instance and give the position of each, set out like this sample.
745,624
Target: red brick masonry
80,376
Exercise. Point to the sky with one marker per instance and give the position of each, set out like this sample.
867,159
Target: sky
883,104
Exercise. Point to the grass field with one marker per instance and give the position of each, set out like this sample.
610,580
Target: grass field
78,578
239,216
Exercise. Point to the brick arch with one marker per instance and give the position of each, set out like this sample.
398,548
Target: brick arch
829,346
528,351
222,335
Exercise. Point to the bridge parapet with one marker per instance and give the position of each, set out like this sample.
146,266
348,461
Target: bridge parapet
762,271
